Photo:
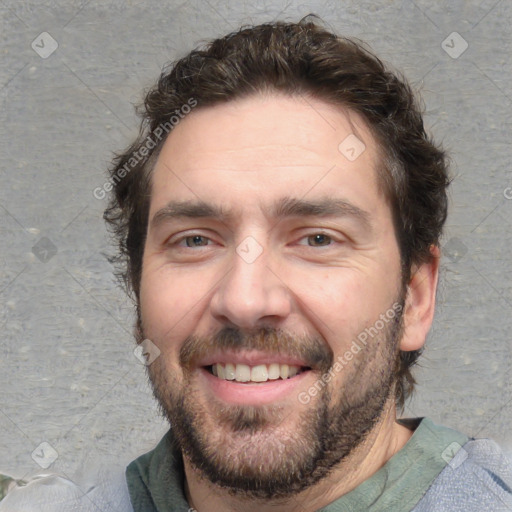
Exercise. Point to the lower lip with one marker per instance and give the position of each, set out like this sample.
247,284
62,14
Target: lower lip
261,393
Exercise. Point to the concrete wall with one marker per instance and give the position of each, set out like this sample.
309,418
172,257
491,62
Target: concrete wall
68,374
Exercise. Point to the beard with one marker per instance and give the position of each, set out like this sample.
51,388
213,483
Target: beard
272,451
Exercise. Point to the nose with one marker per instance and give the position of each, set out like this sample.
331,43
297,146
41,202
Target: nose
251,295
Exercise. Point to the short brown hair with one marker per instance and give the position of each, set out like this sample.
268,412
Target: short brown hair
296,59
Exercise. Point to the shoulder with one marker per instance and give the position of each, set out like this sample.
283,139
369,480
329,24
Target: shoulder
102,489
478,477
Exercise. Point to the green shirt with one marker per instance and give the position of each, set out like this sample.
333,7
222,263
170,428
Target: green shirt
6,482
156,479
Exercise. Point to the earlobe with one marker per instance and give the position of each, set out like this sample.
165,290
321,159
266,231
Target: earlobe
420,302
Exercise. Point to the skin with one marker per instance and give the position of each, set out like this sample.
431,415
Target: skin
245,155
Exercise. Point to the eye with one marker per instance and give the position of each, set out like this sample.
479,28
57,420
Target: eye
318,240
194,241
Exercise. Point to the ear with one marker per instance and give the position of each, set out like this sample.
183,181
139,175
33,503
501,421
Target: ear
420,302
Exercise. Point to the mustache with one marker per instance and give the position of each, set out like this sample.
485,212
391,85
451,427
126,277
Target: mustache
313,351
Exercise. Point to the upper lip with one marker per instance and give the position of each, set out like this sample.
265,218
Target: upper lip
251,358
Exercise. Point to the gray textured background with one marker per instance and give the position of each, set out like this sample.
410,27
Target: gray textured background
68,374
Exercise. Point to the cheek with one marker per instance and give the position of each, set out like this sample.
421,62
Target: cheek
171,302
341,303
163,302
332,300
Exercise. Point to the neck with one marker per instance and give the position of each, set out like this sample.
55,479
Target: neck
386,439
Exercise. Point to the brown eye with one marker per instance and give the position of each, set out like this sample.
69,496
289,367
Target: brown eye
196,241
319,240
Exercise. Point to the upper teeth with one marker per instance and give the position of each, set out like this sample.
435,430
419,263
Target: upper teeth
259,373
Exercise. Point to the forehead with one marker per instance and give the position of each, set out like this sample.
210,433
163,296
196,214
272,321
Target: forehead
267,147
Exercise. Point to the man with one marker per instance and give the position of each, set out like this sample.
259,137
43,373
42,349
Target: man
282,247
279,219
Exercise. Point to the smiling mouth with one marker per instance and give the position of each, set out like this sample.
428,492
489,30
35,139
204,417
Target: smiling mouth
261,373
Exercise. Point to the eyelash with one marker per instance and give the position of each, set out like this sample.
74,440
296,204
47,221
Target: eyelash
184,238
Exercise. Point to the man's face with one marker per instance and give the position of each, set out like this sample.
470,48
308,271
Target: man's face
270,244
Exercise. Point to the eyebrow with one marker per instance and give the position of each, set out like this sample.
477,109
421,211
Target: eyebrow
281,209
325,207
